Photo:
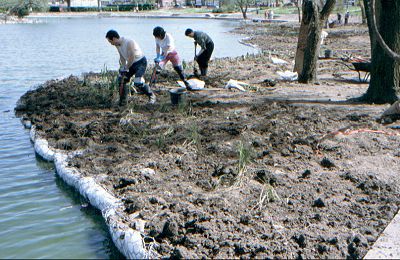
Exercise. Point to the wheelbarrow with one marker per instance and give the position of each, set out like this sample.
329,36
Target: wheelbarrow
359,65
364,67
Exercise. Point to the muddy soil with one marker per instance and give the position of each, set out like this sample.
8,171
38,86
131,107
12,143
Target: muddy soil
282,171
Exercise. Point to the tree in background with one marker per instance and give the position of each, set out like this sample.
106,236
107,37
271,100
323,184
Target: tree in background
384,26
363,13
22,8
315,14
244,5
298,4
68,4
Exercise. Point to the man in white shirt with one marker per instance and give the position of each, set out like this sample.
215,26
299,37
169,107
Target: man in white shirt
165,51
132,63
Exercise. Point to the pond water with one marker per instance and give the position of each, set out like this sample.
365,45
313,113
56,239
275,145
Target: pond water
40,217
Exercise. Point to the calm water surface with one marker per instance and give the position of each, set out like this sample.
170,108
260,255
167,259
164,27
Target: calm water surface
40,217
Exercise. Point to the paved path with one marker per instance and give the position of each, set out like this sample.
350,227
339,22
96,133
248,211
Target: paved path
388,244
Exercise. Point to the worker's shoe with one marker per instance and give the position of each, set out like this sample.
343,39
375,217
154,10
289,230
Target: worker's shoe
152,98
187,85
180,72
142,88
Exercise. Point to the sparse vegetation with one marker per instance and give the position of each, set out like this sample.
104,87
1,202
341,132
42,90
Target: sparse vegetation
163,137
185,108
245,153
194,136
267,194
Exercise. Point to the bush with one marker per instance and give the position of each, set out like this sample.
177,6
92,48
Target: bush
54,9
83,9
225,9
128,7
20,11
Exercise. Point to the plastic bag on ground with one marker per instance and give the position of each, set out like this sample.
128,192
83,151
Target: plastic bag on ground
287,75
278,61
195,84
393,109
236,84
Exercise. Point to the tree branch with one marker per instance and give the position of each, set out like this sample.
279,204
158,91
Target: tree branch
327,9
379,38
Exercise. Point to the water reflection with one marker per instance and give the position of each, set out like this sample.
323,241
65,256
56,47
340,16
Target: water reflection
95,216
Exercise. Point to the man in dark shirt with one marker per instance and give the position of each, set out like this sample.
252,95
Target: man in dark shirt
207,47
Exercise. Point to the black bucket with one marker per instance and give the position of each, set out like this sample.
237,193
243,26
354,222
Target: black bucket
176,96
328,54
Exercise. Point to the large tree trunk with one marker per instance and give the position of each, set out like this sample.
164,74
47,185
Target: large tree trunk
244,14
301,47
311,53
308,45
384,85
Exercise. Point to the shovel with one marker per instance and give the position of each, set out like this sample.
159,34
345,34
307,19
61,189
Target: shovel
123,90
153,78
195,71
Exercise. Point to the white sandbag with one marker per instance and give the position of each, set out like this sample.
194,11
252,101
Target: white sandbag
324,34
42,148
195,84
393,109
32,133
288,75
278,61
236,84
27,124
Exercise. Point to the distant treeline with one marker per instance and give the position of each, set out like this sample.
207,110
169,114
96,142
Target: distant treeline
108,8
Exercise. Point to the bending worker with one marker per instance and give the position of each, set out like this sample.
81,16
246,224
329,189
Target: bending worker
165,51
132,63
207,48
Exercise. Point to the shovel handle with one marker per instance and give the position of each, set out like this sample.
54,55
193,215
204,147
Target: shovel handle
121,85
153,75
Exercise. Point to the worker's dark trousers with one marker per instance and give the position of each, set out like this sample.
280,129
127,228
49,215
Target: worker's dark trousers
180,72
137,69
204,58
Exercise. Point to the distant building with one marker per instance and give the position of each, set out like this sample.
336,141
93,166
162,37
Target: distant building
170,3
84,3
75,3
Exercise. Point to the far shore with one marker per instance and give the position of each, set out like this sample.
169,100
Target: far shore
167,13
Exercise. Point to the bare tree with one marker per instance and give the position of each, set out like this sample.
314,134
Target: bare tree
384,24
378,36
244,5
315,14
